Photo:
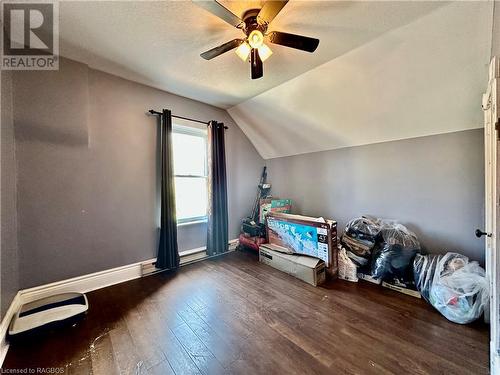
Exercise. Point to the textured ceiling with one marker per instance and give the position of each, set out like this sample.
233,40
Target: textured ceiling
383,70
423,78
158,42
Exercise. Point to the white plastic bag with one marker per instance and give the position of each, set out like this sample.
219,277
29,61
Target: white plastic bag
457,288
347,269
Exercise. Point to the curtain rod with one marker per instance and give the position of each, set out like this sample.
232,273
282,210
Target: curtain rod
153,112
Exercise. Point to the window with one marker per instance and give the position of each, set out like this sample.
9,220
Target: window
191,171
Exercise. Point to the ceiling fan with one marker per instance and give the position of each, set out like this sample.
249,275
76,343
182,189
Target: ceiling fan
254,24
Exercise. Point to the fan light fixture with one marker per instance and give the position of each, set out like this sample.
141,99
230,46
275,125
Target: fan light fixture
264,52
243,51
256,39
254,24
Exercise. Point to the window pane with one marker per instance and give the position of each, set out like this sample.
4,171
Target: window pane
190,197
189,154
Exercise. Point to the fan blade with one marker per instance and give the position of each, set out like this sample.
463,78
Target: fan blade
269,11
303,43
214,52
220,11
256,64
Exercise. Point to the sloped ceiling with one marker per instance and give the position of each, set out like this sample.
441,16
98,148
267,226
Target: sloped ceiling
383,70
423,78
158,43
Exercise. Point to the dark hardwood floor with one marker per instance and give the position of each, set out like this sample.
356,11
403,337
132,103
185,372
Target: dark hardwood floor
235,315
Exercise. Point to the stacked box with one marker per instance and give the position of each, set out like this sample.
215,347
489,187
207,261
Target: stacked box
310,270
305,235
273,205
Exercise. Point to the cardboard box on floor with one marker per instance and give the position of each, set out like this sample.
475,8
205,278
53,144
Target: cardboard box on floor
305,235
309,269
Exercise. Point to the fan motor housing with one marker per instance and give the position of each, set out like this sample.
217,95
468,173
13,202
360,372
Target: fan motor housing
250,20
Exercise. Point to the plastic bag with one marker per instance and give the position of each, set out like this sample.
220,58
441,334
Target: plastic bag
456,287
347,268
394,253
357,260
359,237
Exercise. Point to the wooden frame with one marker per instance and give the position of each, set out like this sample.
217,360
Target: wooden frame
491,119
196,132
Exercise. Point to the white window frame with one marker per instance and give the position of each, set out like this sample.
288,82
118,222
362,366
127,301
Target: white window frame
181,129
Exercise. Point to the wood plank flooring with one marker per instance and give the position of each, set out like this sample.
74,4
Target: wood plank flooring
233,315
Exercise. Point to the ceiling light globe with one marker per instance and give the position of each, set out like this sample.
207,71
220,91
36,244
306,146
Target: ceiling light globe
256,39
243,51
264,52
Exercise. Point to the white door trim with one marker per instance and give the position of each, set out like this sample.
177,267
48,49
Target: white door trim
490,106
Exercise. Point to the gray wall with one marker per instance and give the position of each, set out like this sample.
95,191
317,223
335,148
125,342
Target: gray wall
434,185
87,171
9,280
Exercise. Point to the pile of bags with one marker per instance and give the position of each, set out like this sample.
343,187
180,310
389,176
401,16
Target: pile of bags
388,251
382,248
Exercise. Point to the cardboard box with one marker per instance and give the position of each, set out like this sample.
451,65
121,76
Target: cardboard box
308,269
305,235
273,205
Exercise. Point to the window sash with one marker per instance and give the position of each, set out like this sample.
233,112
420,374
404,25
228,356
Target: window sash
201,134
195,132
194,219
190,176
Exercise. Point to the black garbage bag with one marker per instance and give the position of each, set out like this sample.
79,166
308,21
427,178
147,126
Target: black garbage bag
359,238
393,254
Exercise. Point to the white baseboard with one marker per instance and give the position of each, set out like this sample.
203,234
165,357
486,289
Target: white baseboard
85,284
102,279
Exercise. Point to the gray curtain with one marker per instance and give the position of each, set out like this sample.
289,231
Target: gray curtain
217,239
168,254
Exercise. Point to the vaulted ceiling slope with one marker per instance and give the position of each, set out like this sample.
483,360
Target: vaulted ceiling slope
383,70
422,78
158,43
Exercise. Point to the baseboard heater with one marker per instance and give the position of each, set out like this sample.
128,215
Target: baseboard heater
187,257
149,267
